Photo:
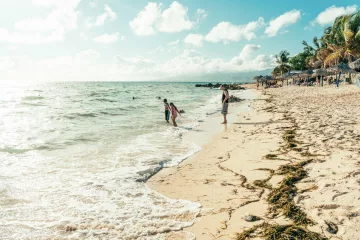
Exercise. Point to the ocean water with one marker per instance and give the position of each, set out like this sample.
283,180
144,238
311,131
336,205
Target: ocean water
74,156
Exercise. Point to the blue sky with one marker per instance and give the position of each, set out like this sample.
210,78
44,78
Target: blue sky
69,40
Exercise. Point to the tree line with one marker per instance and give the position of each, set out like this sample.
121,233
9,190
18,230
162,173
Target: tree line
340,43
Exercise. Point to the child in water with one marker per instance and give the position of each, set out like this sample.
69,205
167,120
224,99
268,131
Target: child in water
167,110
174,113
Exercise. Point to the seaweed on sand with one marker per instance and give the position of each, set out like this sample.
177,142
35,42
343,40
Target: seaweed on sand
271,156
291,145
281,198
247,233
279,232
264,183
289,137
286,232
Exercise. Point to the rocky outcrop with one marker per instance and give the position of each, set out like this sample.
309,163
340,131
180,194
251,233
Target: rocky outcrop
234,99
217,85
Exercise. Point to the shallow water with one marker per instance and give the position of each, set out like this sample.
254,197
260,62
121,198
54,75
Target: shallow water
75,155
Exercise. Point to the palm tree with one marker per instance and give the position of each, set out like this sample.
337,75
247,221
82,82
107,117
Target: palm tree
311,52
343,39
283,60
340,43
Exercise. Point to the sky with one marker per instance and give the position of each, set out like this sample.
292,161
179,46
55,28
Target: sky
136,40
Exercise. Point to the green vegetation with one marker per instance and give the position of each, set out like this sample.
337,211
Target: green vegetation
283,63
340,43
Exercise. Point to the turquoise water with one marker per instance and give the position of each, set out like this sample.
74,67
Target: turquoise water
77,154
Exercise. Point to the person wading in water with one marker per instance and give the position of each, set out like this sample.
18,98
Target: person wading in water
167,110
174,113
225,103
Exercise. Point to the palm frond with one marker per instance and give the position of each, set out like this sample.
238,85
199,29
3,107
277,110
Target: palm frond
316,42
332,58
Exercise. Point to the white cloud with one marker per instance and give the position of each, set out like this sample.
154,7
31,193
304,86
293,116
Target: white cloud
108,14
62,17
152,19
81,66
87,56
84,36
112,15
56,3
92,4
194,39
201,14
191,62
88,66
228,32
134,64
31,38
174,19
143,24
282,21
173,43
248,50
52,28
328,16
170,47
109,38
12,48
6,63
247,61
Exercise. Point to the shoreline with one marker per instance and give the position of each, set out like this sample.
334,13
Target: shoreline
236,172
243,125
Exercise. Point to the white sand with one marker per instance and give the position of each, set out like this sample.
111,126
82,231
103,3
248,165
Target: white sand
328,121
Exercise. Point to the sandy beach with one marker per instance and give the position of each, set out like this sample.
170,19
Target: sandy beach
292,161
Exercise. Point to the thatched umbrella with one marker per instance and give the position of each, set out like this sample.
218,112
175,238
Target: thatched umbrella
341,68
355,65
286,76
306,74
266,78
321,72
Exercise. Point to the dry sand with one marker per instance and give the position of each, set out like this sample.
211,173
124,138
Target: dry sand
221,176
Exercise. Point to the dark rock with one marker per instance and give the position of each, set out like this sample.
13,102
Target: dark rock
236,86
209,85
331,227
250,218
182,111
234,99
